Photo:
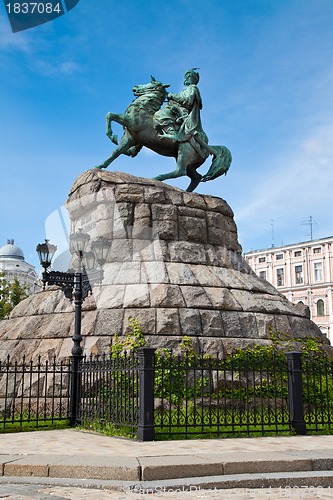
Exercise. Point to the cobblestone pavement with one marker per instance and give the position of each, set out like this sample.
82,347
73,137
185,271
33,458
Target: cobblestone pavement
77,442
38,492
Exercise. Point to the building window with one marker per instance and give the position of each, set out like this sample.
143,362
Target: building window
297,253
320,307
262,259
298,275
318,271
280,276
317,250
262,274
279,256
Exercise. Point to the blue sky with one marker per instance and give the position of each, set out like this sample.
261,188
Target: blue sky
266,70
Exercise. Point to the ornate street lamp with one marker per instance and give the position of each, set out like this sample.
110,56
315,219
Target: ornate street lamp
78,285
45,253
78,243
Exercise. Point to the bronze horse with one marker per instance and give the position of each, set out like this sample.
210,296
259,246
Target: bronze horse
139,131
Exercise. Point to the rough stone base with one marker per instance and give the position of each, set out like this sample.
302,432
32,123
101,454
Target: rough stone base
175,264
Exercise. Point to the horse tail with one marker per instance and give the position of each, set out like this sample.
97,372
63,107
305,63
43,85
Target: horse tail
220,164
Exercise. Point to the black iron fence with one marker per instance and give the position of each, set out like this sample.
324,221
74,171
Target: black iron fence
34,394
161,395
202,395
110,391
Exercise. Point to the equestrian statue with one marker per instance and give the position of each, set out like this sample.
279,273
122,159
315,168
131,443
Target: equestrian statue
173,130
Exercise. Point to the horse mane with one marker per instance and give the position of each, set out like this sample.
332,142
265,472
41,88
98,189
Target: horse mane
150,102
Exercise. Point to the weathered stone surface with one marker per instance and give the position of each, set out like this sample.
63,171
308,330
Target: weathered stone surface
248,325
194,200
130,193
165,229
154,195
164,212
194,213
266,324
218,205
261,302
190,322
146,318
175,265
212,324
192,229
109,322
96,345
143,248
167,321
189,252
181,274
165,295
136,296
128,272
110,297
154,272
206,275
222,299
232,325
195,296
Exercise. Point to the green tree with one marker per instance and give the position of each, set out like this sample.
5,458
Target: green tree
11,293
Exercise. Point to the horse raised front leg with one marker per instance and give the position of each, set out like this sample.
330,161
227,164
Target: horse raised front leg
117,118
126,143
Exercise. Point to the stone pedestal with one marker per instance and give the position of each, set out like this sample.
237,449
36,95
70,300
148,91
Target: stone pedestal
175,264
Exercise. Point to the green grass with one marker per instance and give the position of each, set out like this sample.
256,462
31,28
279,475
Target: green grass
192,433
108,429
203,425
19,425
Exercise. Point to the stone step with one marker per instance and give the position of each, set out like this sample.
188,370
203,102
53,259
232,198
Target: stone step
144,469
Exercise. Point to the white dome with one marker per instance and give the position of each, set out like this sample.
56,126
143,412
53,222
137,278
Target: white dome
11,251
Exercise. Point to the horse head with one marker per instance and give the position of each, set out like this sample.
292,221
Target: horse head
153,86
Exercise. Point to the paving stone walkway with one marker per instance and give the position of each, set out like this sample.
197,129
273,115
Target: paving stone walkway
78,465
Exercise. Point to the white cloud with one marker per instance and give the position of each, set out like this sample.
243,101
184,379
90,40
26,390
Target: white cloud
56,68
32,46
300,185
12,41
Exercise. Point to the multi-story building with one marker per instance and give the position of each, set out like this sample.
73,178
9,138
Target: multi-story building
13,265
303,272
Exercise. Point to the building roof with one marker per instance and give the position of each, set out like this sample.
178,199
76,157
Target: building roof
290,245
11,251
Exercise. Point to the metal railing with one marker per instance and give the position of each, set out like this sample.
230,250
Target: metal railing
161,395
203,395
317,400
109,391
33,393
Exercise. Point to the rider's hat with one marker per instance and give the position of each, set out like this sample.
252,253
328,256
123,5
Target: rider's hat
194,75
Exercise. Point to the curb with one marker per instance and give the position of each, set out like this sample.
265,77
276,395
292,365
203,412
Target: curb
305,480
144,469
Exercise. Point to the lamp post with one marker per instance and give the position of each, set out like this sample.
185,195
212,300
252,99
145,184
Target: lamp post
75,285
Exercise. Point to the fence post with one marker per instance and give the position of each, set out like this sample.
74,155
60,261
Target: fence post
146,431
295,391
